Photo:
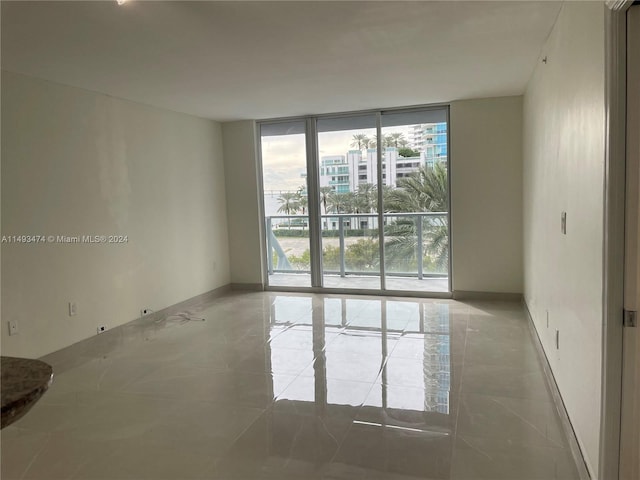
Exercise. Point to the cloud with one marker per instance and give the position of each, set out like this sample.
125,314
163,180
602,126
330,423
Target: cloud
284,156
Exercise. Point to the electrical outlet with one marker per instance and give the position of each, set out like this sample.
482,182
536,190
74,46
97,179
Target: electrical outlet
13,327
145,311
102,329
73,308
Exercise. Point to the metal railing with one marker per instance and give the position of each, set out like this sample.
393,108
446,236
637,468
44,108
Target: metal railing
342,225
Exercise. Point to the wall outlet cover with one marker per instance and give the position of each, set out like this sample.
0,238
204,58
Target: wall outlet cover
13,327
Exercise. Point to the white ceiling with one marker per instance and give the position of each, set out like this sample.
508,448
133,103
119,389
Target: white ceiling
240,60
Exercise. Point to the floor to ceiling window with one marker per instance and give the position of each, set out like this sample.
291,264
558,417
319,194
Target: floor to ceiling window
349,202
358,201
284,166
416,200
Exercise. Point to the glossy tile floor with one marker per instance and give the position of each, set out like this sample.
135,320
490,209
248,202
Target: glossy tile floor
296,386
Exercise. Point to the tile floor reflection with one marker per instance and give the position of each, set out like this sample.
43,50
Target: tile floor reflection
299,386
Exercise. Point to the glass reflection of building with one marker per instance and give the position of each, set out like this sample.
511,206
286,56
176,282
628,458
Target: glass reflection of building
292,320
397,352
378,369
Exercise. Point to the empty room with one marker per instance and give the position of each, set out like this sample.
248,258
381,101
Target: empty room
320,240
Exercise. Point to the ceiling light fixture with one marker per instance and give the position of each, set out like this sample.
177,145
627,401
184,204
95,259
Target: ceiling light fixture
121,2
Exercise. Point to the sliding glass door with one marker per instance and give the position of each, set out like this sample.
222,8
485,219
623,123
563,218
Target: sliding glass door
416,200
283,147
358,201
348,182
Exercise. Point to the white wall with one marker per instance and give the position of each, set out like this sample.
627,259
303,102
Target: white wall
486,194
240,159
564,171
76,162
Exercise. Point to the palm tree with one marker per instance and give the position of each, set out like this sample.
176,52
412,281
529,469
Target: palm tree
402,242
364,201
349,202
337,202
324,195
386,142
386,192
302,202
288,204
302,199
324,198
367,197
360,140
396,139
423,191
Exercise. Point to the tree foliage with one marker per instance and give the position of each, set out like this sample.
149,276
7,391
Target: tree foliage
288,203
423,191
364,255
360,140
396,140
408,152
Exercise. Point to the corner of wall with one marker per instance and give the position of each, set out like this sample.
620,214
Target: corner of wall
243,203
486,198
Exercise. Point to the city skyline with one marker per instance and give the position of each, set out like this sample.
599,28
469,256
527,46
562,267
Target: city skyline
284,156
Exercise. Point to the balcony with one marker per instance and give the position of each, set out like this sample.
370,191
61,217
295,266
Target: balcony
415,244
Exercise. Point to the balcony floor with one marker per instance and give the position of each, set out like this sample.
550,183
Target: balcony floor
406,284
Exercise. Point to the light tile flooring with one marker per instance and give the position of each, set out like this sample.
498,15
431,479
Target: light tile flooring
297,386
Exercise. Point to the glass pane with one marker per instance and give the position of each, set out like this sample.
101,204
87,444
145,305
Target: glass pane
416,201
284,170
348,202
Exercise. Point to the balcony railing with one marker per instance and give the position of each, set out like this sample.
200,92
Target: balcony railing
416,233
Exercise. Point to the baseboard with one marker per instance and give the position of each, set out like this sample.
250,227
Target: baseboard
501,296
251,287
100,345
567,427
190,302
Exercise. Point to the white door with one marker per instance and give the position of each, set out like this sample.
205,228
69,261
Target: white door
630,428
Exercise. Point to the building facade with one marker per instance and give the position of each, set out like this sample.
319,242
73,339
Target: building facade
430,139
343,173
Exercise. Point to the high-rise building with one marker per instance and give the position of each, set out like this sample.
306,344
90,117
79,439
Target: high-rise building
344,173
335,173
430,139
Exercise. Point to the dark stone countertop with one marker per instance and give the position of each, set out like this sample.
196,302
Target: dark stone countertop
24,381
